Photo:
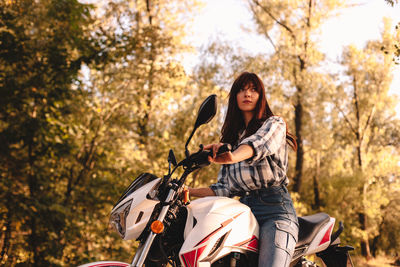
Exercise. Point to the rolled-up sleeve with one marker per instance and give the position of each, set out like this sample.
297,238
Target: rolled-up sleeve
221,187
268,138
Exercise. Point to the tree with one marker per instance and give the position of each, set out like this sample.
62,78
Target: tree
367,115
291,27
130,110
396,45
70,144
42,48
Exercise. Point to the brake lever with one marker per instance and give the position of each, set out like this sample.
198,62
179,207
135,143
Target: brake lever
201,148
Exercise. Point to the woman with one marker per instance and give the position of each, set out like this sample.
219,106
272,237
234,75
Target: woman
256,168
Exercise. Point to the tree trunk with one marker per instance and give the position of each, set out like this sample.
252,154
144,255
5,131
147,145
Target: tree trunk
365,251
298,111
144,122
317,201
364,243
7,234
32,182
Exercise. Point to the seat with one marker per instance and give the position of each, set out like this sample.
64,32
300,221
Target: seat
309,226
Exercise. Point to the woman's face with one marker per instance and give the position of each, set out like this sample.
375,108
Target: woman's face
247,98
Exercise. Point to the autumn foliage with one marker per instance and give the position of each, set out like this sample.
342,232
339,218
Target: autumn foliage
92,95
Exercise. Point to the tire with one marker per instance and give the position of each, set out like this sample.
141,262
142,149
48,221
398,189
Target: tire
309,264
106,264
303,262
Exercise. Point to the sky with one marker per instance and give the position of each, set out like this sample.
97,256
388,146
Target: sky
231,20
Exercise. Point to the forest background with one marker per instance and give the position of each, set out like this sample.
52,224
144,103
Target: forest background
92,95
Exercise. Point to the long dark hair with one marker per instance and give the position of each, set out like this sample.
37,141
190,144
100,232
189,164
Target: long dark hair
234,123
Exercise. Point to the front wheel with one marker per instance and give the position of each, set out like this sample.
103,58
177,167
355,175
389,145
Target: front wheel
106,264
307,263
303,262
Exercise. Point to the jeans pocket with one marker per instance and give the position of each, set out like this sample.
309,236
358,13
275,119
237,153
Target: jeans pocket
286,235
271,196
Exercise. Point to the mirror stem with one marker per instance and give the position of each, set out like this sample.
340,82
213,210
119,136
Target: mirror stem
187,143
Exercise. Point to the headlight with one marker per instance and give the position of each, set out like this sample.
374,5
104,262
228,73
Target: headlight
118,218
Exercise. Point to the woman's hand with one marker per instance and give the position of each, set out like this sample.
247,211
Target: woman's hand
214,148
243,152
223,158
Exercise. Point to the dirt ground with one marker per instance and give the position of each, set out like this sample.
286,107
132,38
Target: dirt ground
379,261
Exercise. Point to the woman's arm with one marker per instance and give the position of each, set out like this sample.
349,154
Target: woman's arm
243,152
268,139
201,192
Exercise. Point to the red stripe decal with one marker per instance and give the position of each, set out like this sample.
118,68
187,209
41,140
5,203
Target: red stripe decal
225,223
199,251
251,244
190,258
327,236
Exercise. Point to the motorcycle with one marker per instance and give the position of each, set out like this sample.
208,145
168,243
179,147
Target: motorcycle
211,231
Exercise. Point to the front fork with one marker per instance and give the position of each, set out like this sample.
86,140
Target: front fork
143,250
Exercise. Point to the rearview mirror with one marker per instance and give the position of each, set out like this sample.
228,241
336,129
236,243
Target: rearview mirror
206,112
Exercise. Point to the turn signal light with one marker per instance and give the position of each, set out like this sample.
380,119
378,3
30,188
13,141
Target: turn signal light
186,196
157,227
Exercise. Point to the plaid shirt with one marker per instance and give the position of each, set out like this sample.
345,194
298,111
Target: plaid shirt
266,168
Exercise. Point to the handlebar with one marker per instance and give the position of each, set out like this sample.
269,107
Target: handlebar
200,158
222,149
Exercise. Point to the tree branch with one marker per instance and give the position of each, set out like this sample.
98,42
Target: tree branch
344,116
357,108
275,19
371,114
265,31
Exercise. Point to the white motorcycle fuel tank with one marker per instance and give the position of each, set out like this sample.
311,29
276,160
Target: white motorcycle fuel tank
215,227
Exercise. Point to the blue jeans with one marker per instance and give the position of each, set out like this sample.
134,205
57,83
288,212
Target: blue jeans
274,211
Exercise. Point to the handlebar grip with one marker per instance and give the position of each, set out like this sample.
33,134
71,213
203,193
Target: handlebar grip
224,148
200,158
